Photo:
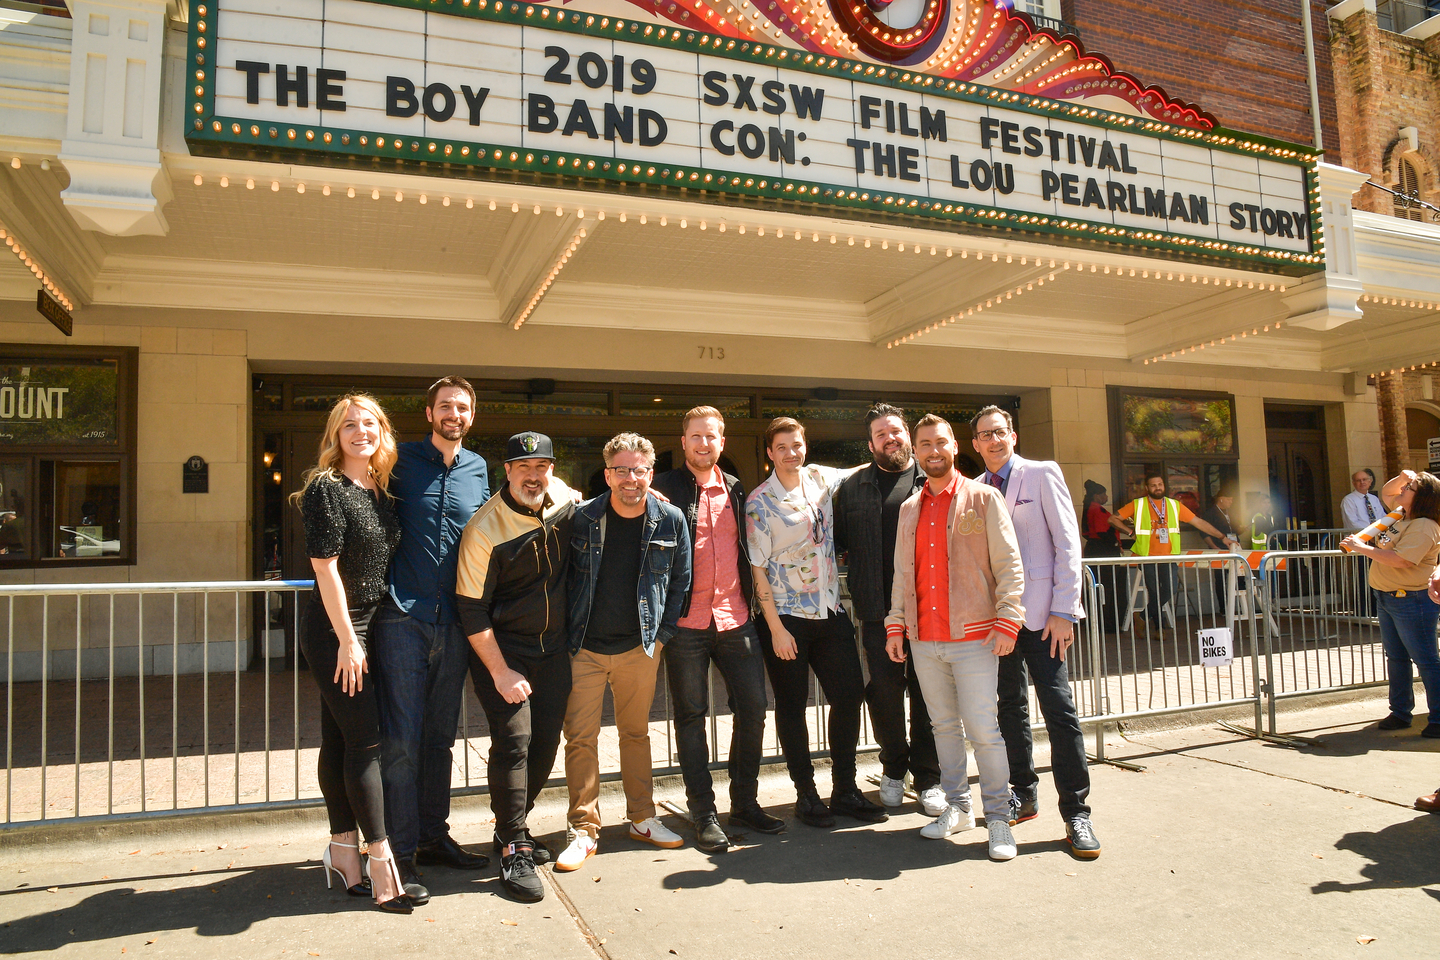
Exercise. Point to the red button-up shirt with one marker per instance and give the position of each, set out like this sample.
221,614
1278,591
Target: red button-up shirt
932,562
715,575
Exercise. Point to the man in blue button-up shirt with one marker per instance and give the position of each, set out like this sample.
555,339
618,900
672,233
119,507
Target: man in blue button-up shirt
420,653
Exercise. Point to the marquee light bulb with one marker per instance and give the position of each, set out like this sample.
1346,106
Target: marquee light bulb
350,192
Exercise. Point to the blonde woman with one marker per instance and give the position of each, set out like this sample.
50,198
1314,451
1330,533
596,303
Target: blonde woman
351,532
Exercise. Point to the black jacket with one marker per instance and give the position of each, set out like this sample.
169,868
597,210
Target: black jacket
859,532
512,569
682,488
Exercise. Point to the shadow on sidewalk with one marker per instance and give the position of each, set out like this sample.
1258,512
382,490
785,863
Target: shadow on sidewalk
1401,855
1358,743
222,908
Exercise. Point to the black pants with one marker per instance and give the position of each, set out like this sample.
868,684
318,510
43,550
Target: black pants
349,765
1112,585
736,653
828,648
1057,706
523,736
885,696
1159,586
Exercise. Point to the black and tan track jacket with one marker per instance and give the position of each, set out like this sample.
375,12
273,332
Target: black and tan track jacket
513,563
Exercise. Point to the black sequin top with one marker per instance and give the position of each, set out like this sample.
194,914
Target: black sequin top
343,519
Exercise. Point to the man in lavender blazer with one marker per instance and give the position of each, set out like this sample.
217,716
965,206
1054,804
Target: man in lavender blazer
1044,517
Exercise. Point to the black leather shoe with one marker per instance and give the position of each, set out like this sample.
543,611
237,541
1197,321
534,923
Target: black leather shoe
1432,730
852,803
1022,809
410,880
810,809
1393,722
445,852
756,819
539,853
708,835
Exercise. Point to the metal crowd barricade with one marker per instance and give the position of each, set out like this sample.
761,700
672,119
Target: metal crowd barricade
1142,625
1307,538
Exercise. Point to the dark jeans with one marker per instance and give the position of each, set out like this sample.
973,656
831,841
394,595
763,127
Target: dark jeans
687,665
885,696
419,676
1159,586
828,648
349,763
1057,706
523,736
1407,632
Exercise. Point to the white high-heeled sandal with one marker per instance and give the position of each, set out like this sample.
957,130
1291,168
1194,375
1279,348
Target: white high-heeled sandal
361,889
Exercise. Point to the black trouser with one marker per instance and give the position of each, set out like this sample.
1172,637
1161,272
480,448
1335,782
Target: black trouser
687,666
349,763
885,696
1112,583
523,736
1159,585
828,648
1057,706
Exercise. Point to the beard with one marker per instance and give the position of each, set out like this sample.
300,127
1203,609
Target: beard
937,470
701,462
451,431
896,460
533,501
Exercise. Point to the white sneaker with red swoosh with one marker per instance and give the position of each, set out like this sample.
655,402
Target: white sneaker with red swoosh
654,832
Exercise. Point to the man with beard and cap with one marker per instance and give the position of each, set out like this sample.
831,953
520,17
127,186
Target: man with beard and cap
957,598
867,511
716,627
419,651
511,593
1157,520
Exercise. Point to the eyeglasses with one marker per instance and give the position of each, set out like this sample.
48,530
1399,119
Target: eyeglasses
985,436
639,473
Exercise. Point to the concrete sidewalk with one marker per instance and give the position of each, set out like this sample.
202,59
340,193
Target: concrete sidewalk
1223,847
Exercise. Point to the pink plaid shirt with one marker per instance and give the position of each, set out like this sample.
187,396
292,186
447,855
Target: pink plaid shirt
715,577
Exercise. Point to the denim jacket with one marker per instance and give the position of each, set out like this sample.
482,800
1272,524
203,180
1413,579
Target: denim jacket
664,569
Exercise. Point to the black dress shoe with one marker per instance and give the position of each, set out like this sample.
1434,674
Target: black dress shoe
756,819
1432,730
539,853
410,880
708,835
810,809
1393,722
446,852
852,803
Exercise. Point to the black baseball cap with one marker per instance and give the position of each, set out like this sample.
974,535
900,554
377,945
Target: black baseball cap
529,446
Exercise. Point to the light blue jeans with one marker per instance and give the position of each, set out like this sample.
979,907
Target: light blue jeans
958,680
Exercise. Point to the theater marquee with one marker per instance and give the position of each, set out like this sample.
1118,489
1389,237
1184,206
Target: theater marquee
491,86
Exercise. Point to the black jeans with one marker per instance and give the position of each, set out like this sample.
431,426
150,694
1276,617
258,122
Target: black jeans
523,736
1159,586
828,648
687,666
349,763
885,696
1057,706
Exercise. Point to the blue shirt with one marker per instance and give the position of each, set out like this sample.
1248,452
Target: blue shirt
434,502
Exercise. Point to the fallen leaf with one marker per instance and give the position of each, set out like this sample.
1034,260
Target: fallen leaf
877,889
595,879
1071,874
133,852
1364,939
269,896
676,954
52,889
223,845
122,950
511,923
106,877
147,942
602,941
72,932
1317,856
314,954
230,865
429,919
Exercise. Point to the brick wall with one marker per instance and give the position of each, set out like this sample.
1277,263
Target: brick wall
1243,62
1384,82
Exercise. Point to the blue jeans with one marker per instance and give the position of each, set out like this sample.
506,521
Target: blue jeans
1407,631
418,670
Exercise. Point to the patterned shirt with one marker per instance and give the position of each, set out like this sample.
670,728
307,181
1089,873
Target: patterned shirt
715,576
791,533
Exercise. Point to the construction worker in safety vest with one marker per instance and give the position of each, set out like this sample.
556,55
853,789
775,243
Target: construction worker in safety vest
1262,524
1154,521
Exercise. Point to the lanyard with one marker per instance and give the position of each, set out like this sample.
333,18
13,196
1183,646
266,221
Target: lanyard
1160,513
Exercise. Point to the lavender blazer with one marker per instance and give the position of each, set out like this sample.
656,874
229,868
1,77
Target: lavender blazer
1044,517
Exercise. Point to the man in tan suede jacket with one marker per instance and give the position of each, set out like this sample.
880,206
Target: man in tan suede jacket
957,595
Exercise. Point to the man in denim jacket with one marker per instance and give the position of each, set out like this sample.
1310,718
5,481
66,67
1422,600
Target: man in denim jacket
629,573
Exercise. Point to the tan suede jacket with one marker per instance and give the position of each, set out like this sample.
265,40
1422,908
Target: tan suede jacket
987,580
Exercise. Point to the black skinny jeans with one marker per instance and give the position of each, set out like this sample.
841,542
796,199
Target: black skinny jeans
349,766
885,696
1057,706
736,653
828,648
524,737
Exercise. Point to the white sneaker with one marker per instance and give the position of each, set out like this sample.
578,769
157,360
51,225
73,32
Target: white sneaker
1002,841
892,792
576,852
952,820
653,831
932,801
